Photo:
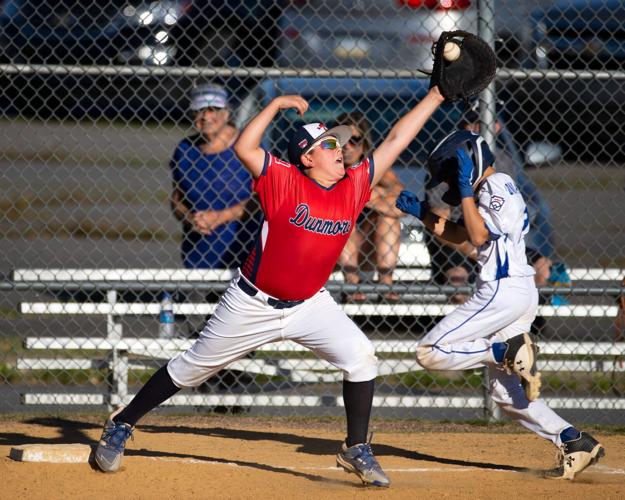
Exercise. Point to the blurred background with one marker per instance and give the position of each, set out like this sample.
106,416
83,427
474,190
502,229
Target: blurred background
95,101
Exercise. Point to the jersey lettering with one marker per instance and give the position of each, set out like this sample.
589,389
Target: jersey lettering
526,223
511,187
282,163
303,219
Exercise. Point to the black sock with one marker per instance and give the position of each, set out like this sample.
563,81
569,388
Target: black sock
156,390
358,398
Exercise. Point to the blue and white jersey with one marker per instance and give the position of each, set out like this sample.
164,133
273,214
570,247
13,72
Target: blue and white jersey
503,209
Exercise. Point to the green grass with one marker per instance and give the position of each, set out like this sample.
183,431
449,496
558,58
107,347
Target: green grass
62,157
88,229
570,383
10,374
37,209
604,383
18,205
586,383
598,181
99,154
7,313
430,380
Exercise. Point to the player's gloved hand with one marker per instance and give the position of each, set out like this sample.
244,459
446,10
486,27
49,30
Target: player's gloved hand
465,170
409,203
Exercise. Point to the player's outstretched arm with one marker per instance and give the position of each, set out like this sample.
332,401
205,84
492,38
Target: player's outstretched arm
247,146
403,133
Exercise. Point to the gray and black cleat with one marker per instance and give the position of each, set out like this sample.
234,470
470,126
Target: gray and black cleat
110,451
359,459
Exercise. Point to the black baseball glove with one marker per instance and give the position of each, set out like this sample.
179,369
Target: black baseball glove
470,73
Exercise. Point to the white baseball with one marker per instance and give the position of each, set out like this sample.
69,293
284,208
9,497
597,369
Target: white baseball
451,51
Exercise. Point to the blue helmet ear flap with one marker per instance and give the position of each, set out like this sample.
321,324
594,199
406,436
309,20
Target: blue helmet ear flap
481,156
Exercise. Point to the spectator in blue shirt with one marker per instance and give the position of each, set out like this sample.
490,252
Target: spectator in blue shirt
211,188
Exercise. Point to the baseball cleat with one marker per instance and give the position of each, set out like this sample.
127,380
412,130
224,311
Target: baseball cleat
520,358
359,459
576,455
110,451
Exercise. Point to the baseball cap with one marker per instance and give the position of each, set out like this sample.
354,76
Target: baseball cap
307,135
208,95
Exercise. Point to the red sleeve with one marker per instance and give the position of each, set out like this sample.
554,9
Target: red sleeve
361,175
273,183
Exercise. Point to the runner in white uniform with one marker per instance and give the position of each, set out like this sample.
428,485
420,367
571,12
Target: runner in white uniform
490,329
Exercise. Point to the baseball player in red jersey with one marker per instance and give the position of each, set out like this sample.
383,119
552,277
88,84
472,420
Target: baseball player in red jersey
310,205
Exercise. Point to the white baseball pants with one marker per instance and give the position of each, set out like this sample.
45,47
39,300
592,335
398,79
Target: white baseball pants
463,340
242,324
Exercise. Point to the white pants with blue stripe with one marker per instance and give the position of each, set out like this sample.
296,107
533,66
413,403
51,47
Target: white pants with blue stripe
462,340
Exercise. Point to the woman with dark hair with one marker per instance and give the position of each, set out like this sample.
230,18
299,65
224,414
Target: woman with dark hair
376,237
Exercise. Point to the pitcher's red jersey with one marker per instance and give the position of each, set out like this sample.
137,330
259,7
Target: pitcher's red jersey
305,227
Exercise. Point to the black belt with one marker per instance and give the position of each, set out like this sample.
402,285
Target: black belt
251,290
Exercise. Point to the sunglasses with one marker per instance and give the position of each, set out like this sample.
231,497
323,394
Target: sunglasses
326,144
355,140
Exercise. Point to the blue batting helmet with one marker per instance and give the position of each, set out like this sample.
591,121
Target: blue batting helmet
443,164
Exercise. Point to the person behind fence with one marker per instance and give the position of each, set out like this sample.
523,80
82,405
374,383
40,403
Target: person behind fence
310,205
377,232
492,327
211,188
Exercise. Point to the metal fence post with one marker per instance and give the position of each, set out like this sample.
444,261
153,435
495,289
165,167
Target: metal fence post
118,358
492,413
488,112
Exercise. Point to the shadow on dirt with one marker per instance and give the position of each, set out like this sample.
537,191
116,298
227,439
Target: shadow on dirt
73,431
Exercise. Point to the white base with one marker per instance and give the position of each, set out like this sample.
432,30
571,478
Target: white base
54,453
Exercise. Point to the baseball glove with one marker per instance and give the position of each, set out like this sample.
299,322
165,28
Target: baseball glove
470,73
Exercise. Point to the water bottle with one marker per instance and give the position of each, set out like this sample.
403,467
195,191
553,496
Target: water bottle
166,321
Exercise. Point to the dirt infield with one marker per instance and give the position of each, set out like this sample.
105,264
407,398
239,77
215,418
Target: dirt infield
243,457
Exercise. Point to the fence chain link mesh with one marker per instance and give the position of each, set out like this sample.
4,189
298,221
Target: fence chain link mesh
98,196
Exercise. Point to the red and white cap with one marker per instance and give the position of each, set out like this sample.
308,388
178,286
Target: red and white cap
305,136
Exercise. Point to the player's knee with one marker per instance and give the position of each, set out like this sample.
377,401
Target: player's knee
366,366
424,355
186,375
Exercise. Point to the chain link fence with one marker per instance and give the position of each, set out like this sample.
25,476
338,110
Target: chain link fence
99,188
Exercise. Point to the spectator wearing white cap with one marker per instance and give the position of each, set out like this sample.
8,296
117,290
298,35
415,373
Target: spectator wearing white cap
211,188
